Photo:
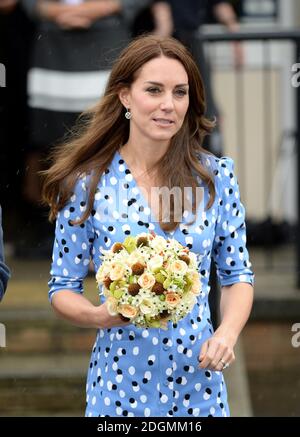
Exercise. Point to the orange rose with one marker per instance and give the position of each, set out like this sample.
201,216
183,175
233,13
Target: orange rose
172,299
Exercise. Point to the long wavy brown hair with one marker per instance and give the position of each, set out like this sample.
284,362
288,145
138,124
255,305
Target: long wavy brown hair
102,129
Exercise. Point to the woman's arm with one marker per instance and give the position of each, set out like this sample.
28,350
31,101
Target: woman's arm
231,257
236,303
163,19
81,312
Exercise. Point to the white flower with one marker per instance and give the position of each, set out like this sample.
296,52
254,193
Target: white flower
196,283
116,272
147,307
172,299
102,273
158,244
179,267
112,306
133,258
155,262
189,300
146,280
128,311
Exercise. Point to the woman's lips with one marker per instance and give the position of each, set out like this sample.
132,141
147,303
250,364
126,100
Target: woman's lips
163,122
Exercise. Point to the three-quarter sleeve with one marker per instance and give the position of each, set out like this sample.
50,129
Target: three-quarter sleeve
73,244
229,248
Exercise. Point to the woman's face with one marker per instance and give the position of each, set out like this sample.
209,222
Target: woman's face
158,99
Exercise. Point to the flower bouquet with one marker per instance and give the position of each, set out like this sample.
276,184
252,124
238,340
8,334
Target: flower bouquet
149,280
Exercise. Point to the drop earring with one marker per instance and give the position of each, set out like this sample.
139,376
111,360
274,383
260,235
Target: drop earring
128,114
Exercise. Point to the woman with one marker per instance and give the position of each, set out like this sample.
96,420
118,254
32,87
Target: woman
147,131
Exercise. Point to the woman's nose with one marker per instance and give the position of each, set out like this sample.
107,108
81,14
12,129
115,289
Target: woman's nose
167,103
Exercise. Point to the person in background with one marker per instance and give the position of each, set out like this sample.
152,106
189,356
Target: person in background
183,20
74,46
4,270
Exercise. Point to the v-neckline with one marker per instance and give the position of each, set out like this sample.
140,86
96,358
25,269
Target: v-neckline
143,200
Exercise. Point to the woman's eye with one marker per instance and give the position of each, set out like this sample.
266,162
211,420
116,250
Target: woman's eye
181,93
153,90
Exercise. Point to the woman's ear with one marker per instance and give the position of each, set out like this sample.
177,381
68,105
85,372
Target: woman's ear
124,96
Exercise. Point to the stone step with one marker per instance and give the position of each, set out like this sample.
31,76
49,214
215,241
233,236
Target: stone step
43,385
40,331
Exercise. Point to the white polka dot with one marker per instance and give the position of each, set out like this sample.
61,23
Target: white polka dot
147,412
84,246
59,262
243,278
196,412
107,401
155,341
183,381
186,403
198,387
212,410
136,388
148,375
74,238
65,272
119,378
119,411
94,400
143,399
67,213
164,399
206,396
145,333
113,180
136,350
131,370
122,394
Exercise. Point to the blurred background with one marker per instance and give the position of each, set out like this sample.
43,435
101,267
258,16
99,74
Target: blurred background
248,60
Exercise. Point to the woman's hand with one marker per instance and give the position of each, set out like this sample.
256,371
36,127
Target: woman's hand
109,321
217,352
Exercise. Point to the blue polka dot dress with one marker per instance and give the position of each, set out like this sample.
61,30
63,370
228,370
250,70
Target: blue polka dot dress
152,372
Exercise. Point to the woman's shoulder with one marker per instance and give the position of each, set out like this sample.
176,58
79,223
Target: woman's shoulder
222,170
215,164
